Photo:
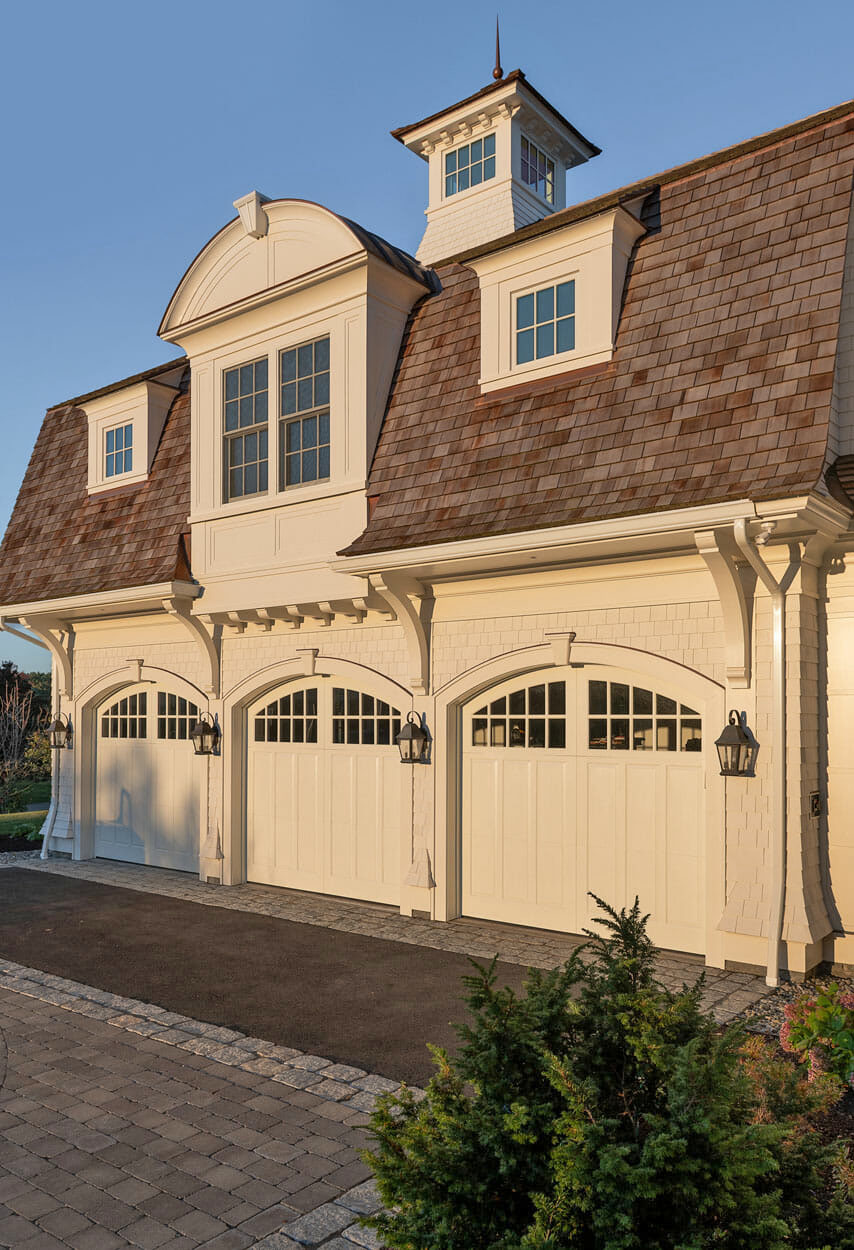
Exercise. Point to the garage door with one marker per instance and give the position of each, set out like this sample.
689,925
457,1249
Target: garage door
580,780
326,803
147,780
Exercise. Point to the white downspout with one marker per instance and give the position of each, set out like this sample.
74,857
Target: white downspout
50,818
777,591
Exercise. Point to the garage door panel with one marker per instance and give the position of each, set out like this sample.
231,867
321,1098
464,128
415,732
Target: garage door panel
147,789
337,828
582,782
643,821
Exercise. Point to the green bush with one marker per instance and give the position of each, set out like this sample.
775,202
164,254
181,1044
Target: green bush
602,1112
14,792
35,763
820,1029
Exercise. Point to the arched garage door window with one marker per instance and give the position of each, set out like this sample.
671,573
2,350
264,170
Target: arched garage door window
147,790
325,804
584,780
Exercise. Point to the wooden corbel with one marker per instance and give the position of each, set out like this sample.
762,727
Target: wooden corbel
58,637
180,609
399,591
734,585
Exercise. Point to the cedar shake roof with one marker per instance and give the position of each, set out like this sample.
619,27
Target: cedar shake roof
719,388
61,541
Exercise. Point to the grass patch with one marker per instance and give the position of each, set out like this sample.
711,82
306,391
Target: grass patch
19,824
38,792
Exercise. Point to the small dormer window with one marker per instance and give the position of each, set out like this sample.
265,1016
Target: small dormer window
545,322
118,450
470,165
538,171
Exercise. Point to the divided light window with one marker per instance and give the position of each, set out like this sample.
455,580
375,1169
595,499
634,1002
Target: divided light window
623,717
245,437
304,424
538,171
118,450
545,322
470,165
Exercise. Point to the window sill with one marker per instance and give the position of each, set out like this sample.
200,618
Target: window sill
535,370
281,499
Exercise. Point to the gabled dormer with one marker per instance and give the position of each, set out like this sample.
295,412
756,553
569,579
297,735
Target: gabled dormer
292,318
497,162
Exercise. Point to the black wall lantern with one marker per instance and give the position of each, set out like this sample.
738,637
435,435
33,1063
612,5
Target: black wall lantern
412,741
205,735
737,749
59,732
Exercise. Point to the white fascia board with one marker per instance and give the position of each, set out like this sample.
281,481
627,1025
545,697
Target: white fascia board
562,539
105,602
618,537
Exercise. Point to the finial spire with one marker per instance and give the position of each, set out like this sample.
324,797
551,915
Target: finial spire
498,72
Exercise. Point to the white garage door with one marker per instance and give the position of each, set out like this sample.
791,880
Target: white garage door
147,780
326,803
582,780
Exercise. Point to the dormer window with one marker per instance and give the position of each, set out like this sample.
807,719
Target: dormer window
118,450
245,437
470,165
545,322
538,171
304,427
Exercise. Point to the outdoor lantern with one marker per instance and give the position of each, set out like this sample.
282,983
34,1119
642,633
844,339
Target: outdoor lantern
412,741
59,732
205,735
736,749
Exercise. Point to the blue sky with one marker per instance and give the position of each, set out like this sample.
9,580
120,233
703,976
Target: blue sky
130,129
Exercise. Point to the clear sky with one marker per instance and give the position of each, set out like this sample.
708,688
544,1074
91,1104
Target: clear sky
129,129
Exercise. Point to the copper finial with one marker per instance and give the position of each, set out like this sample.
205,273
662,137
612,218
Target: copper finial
498,72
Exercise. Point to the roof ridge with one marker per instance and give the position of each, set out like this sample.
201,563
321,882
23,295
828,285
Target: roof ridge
676,173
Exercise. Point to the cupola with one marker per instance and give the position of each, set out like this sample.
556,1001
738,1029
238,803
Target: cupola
497,161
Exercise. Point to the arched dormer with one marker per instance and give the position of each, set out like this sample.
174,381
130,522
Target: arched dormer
269,247
292,318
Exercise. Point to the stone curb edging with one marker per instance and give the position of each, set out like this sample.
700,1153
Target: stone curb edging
335,1082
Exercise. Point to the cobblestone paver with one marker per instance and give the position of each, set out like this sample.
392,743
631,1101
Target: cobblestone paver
125,1125
726,994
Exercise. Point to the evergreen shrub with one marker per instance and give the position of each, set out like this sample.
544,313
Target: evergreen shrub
600,1111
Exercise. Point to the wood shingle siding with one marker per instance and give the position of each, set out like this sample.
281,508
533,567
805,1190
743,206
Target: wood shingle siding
720,386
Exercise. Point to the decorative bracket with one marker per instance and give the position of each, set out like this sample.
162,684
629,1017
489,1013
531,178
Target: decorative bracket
309,658
561,645
50,633
719,550
399,591
181,610
252,216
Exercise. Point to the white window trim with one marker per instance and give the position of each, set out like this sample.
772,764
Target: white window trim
594,254
555,356
144,407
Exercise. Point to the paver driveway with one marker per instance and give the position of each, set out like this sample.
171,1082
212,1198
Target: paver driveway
109,1138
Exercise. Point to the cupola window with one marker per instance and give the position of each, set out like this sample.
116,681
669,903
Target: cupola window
470,165
545,322
538,171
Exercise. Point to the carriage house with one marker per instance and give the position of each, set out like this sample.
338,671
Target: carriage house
571,486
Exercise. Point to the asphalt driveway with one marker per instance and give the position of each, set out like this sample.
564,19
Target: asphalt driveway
358,1000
